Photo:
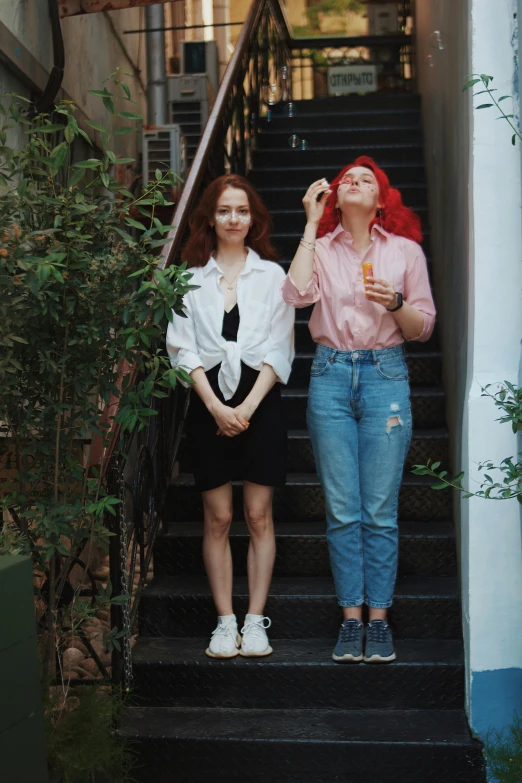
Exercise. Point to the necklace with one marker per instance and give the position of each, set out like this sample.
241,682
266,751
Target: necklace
230,283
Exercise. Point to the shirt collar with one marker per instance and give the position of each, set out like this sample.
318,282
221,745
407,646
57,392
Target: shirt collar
376,228
253,261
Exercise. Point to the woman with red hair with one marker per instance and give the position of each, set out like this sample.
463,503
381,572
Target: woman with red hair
235,338
360,264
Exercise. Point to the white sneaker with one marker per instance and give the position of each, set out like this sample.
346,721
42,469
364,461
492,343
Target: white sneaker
255,641
225,639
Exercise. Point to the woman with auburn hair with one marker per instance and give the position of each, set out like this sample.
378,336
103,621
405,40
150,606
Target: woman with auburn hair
236,341
360,263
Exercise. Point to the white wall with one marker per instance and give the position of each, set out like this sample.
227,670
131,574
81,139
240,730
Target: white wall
447,129
475,199
94,47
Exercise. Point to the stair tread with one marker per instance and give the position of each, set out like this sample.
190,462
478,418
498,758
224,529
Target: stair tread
432,433
411,586
307,480
292,652
311,529
416,391
426,727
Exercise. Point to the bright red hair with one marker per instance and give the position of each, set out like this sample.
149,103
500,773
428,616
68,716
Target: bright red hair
396,218
202,241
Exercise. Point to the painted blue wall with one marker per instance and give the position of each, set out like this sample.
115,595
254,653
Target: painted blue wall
495,696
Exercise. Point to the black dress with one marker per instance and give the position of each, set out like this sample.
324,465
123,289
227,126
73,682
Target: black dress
258,454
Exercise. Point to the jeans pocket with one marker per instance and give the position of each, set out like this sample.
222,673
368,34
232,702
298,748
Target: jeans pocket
393,369
319,365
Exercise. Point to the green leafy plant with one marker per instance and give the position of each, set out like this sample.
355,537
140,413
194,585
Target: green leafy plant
485,81
503,752
508,483
81,742
82,295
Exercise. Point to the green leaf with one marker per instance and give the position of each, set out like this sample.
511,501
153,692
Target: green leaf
105,179
91,163
484,106
101,93
135,224
96,126
126,90
85,136
123,131
440,485
129,115
109,105
470,84
51,128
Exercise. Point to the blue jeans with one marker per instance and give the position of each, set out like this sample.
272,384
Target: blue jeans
359,419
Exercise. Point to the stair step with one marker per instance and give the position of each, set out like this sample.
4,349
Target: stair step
370,102
275,137
424,369
306,118
272,175
383,154
428,405
413,195
302,500
426,549
428,674
294,219
305,344
191,745
300,607
287,242
426,444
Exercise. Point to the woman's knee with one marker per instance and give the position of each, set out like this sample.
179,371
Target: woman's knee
259,520
217,523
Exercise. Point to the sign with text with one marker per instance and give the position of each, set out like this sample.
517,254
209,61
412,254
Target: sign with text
344,79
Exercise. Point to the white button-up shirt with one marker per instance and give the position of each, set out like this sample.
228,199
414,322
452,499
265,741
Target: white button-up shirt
266,327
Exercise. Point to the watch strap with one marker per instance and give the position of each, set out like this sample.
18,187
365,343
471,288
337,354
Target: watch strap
400,302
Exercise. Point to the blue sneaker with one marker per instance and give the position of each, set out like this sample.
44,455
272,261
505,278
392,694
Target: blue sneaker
379,643
349,647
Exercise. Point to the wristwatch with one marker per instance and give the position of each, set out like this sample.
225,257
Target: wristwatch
399,303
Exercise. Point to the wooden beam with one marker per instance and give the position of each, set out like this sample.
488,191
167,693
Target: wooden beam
77,7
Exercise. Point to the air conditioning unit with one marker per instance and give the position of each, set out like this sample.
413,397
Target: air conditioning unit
164,148
188,106
201,57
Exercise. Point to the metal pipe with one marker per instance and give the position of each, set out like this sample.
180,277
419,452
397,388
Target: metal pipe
156,68
222,23
182,27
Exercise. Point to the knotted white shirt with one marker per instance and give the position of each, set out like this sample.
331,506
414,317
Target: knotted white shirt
266,326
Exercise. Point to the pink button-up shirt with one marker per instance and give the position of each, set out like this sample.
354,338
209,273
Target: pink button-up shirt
342,317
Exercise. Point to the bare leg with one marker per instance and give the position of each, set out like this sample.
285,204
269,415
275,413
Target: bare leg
261,551
350,612
378,614
217,504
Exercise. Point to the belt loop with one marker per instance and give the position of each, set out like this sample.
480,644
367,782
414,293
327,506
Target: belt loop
332,356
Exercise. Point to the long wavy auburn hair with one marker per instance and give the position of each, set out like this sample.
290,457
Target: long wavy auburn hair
202,241
396,218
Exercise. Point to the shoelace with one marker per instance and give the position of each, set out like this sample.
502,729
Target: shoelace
350,629
225,630
254,627
377,631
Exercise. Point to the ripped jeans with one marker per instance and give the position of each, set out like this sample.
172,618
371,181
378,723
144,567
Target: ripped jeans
359,419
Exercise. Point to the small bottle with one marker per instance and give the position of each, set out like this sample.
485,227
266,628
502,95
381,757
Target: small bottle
367,270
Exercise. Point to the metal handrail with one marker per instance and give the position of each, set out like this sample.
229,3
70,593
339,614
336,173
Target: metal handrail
213,127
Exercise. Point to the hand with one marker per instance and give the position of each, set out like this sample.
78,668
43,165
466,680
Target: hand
381,292
228,422
244,413
314,209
